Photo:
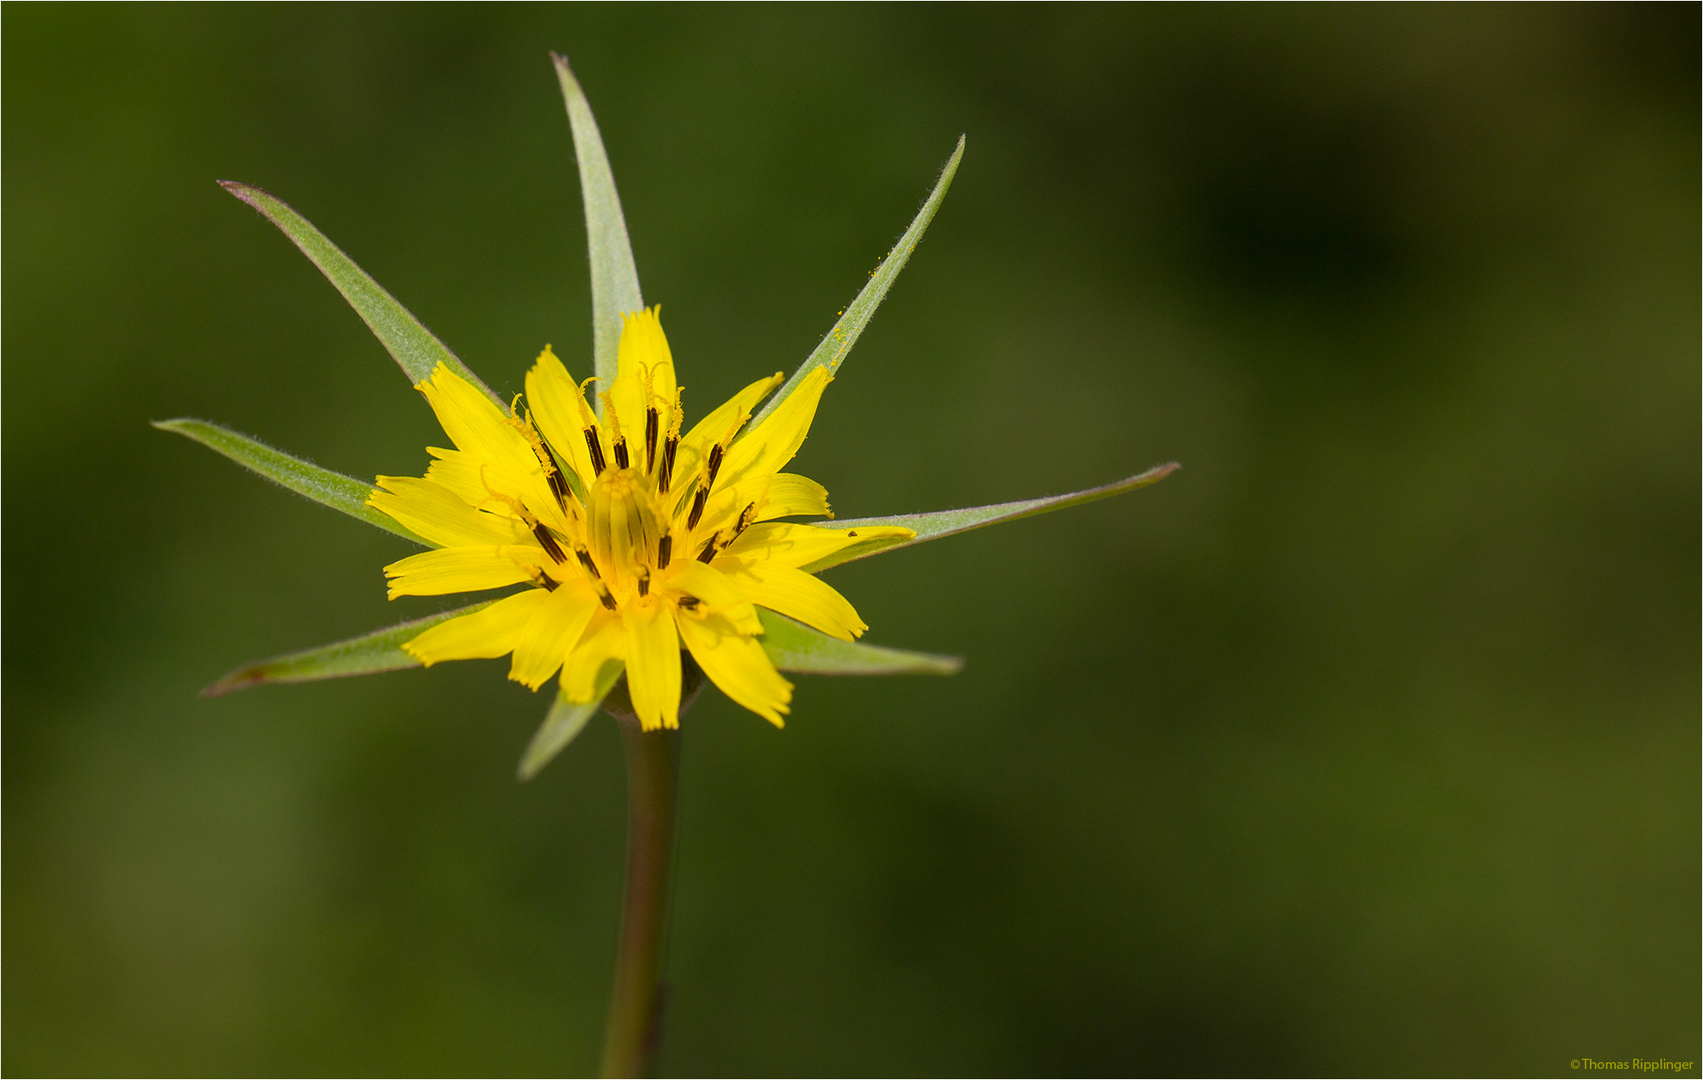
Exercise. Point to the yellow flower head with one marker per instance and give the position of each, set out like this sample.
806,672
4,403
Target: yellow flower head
628,540
634,541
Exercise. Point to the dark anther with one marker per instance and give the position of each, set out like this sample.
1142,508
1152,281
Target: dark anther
687,603
698,501
852,533
715,463
548,542
603,595
664,549
669,445
708,553
745,517
621,453
559,488
585,561
553,472
596,447
644,582
651,420
547,581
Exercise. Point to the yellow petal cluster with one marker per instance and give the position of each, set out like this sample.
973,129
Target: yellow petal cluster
636,541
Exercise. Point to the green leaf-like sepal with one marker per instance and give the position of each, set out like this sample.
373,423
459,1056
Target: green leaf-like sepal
323,486
563,723
368,654
832,350
614,275
941,523
792,646
416,350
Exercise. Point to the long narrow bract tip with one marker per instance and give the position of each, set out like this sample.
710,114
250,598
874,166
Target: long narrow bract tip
237,680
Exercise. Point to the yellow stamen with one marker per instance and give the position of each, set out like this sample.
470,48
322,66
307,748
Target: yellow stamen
587,417
617,441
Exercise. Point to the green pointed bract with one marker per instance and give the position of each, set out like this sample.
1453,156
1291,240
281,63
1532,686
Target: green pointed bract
933,526
323,486
416,350
832,350
563,723
792,646
368,654
614,275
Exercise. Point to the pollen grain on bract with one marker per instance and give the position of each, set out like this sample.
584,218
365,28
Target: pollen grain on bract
589,510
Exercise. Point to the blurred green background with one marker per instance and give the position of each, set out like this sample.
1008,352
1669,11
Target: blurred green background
1368,743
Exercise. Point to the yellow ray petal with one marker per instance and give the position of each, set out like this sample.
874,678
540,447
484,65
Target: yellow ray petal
440,515
463,569
706,590
719,424
477,482
723,508
737,664
773,443
653,662
474,479
474,423
645,380
459,471
792,495
808,599
488,632
603,642
762,498
789,544
554,399
555,626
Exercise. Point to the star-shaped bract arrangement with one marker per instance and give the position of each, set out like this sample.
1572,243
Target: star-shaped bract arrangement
630,539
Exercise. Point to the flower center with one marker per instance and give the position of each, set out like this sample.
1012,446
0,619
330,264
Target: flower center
627,535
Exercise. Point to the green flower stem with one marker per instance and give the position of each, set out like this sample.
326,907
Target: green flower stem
635,1014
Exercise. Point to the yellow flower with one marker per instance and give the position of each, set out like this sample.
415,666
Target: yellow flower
633,539
629,540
